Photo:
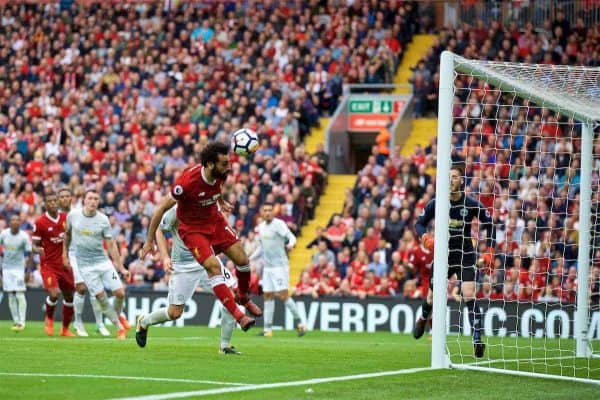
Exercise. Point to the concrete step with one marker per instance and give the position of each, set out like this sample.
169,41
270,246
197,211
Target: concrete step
412,54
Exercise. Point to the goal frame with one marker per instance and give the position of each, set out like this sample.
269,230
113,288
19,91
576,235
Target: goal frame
589,118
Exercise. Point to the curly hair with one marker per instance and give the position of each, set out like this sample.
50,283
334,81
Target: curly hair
211,152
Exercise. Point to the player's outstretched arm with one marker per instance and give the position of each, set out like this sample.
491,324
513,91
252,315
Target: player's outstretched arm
426,216
166,203
163,249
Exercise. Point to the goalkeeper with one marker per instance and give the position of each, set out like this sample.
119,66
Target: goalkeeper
461,258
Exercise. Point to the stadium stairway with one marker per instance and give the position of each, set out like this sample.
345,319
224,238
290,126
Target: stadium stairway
317,135
414,52
330,202
423,130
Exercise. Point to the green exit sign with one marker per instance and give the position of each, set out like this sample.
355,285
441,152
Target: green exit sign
371,106
361,106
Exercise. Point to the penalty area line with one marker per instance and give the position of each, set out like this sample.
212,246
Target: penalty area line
198,393
119,377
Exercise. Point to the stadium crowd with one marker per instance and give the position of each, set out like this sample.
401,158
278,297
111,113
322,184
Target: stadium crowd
122,96
522,163
555,42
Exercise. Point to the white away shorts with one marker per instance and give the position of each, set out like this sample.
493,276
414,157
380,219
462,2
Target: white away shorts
275,279
100,277
183,284
13,280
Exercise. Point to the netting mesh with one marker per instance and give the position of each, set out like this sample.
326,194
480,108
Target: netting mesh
573,90
521,149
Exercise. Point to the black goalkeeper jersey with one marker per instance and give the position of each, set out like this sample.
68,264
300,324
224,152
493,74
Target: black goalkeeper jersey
462,213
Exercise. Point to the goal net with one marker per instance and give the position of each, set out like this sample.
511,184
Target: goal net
528,139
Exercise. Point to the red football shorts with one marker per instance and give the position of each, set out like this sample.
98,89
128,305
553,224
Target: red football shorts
203,245
58,277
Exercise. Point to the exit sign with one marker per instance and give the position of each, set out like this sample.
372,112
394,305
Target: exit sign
372,106
361,106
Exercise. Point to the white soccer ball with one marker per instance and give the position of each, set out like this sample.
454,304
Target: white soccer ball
244,142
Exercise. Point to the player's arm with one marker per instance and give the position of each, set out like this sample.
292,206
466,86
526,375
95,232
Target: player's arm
112,249
113,252
36,247
28,248
67,242
256,254
426,216
166,203
163,249
290,238
224,205
36,240
487,223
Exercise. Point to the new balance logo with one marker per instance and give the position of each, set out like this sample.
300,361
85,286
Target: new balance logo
201,194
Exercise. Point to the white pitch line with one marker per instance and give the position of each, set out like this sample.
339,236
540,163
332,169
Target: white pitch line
130,378
198,393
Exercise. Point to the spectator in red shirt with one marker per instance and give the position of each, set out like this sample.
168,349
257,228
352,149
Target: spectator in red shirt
509,292
371,240
305,287
336,231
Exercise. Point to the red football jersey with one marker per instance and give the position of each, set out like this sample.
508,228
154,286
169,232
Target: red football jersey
197,208
421,259
51,232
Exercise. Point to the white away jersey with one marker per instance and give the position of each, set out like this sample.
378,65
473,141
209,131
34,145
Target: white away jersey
15,247
87,235
273,238
181,256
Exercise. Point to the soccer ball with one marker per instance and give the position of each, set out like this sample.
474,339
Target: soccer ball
244,142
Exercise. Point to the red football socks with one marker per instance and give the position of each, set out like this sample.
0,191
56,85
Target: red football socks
67,312
225,296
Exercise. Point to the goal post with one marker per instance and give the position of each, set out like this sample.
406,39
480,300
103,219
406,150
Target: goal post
522,103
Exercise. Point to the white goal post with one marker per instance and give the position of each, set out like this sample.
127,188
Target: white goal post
569,93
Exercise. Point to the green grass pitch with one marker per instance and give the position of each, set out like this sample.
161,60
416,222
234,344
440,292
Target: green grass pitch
182,360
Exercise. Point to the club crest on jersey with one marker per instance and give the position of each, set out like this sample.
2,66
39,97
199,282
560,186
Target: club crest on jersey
178,190
463,212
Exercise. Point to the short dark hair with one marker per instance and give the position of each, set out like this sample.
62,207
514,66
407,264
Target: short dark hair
64,189
460,167
49,194
210,153
268,204
91,190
